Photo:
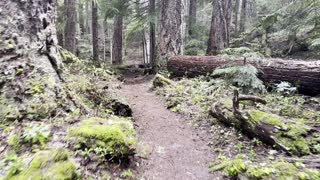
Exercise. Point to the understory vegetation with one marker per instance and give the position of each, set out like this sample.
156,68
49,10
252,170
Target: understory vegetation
96,130
280,133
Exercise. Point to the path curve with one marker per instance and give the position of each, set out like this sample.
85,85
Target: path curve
177,150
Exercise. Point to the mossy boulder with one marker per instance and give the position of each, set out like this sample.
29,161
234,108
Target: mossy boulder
45,165
160,81
240,166
115,137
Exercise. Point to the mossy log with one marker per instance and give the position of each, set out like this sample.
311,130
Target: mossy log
292,136
303,74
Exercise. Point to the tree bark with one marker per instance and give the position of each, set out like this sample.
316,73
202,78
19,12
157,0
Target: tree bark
30,64
236,16
243,16
192,18
171,28
117,40
95,32
153,55
71,25
220,26
304,75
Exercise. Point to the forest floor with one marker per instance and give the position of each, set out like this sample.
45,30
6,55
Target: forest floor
169,146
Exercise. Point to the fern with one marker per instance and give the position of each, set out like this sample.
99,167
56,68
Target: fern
244,77
315,44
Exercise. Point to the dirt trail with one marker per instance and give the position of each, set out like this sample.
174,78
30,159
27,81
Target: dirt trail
177,150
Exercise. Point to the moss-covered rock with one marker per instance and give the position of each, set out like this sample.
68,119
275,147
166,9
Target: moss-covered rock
240,166
160,81
114,137
44,166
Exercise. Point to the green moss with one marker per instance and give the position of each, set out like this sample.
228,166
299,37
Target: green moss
255,172
266,118
35,87
62,171
232,167
115,137
160,81
14,142
273,170
60,155
45,166
126,174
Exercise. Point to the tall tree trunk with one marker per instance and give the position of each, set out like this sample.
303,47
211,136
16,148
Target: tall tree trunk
29,58
87,19
192,18
171,28
243,16
220,26
71,25
95,32
153,55
117,40
81,18
236,16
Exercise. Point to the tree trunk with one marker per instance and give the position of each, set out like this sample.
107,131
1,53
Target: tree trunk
117,40
95,32
171,28
220,26
304,75
71,26
30,64
192,18
81,18
236,16
153,55
243,16
87,19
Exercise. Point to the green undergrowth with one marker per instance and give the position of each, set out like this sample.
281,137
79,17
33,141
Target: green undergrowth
53,164
53,114
243,168
292,121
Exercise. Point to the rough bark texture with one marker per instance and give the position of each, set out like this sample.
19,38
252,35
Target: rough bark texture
192,17
117,40
171,28
30,65
71,25
153,56
220,26
305,75
243,16
236,16
95,30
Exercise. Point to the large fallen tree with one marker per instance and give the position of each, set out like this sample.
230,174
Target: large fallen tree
303,74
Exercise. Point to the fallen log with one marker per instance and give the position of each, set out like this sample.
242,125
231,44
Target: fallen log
303,74
289,135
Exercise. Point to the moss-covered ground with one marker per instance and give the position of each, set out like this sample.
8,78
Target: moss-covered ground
88,130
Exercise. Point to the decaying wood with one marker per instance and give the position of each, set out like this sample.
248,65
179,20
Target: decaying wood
303,74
